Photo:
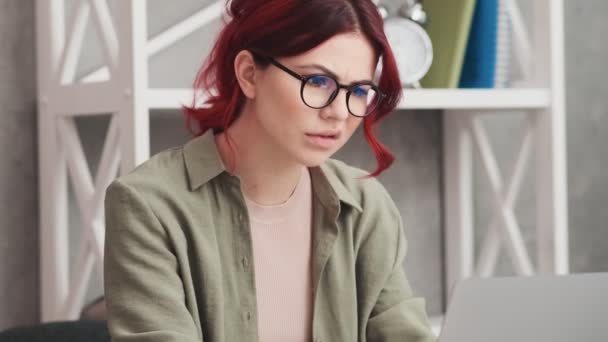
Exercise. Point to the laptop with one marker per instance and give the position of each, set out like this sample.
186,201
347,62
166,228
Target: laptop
568,308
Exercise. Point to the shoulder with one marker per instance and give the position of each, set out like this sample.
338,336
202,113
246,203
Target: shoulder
162,175
368,192
377,230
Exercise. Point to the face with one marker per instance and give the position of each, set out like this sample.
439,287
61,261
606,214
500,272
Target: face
296,130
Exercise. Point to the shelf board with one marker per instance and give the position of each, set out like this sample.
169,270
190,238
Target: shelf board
522,98
517,98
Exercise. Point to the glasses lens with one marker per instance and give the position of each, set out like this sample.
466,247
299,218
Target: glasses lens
363,99
318,90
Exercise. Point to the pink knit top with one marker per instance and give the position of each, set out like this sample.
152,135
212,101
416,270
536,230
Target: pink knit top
282,238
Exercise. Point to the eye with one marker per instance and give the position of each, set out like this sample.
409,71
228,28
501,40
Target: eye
320,81
360,91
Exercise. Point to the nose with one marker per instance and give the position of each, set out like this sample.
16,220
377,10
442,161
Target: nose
337,109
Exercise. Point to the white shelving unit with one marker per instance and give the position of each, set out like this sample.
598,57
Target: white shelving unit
412,98
122,89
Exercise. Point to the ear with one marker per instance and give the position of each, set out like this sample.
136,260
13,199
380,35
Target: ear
245,71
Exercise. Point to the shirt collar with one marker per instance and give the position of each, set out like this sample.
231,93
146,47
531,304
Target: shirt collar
203,163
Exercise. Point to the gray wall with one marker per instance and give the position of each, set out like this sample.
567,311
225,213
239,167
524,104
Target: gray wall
414,136
586,73
18,168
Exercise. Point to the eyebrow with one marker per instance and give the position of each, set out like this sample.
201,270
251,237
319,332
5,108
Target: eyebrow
329,72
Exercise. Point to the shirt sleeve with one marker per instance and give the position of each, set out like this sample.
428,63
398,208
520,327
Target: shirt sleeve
399,316
143,290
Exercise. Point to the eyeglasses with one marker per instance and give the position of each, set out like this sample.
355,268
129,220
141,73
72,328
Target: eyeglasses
320,90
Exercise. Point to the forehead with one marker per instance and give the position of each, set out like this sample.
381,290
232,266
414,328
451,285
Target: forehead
350,56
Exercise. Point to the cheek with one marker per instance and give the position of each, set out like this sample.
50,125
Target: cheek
351,125
349,129
279,102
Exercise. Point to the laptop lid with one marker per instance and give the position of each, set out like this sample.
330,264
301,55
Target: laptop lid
538,308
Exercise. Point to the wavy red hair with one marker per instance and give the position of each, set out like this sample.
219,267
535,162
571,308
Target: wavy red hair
283,28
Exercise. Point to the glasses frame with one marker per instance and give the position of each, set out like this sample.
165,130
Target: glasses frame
349,88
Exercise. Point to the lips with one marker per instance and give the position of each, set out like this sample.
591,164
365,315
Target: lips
323,140
325,134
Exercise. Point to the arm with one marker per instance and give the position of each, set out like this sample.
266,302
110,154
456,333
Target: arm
398,315
143,290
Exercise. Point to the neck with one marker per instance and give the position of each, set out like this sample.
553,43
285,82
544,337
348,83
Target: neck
267,175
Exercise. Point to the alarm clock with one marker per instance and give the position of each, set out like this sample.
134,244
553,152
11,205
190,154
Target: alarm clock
409,41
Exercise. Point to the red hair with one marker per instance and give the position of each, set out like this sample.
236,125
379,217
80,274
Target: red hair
283,28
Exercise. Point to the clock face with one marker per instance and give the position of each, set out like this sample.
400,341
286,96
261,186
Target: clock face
412,48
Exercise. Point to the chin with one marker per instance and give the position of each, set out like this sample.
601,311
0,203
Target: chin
313,159
310,157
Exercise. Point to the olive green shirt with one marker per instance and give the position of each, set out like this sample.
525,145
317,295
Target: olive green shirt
179,259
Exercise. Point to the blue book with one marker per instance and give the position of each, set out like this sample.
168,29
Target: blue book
480,57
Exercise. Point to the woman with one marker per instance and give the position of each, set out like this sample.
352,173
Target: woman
249,232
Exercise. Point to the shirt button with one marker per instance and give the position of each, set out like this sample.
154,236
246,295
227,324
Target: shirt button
245,262
249,315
